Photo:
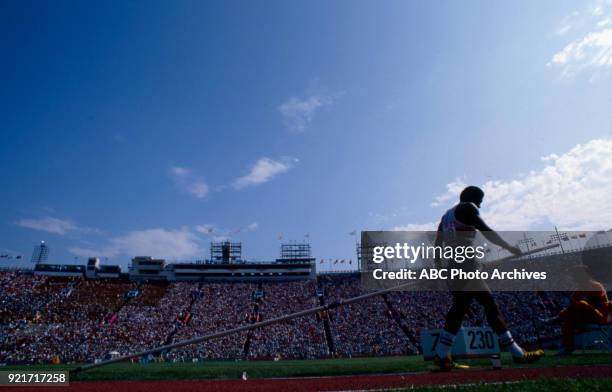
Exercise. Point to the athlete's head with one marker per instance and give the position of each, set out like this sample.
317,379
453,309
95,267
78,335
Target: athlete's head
472,194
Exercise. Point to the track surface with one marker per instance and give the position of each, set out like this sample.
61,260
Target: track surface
362,382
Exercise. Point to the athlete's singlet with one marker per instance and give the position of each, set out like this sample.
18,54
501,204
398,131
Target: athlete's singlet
456,231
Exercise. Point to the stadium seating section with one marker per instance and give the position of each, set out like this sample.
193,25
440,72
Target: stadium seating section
43,318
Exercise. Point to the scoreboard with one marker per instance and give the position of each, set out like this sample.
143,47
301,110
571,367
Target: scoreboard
470,342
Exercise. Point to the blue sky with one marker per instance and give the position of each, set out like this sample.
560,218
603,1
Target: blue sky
133,127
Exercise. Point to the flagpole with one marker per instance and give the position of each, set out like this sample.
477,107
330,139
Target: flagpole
559,239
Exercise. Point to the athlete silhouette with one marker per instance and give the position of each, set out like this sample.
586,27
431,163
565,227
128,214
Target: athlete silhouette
458,228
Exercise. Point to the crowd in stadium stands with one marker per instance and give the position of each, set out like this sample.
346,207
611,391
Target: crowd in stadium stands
217,306
301,338
363,328
50,319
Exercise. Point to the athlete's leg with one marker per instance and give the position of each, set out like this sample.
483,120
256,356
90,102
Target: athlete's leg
494,316
460,306
454,318
458,310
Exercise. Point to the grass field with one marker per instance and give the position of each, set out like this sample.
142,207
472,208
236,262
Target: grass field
298,368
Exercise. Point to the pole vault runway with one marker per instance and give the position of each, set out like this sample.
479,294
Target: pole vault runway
342,383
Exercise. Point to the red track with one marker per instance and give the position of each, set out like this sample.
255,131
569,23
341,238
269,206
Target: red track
363,382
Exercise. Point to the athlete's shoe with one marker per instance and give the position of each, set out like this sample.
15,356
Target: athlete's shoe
447,364
529,356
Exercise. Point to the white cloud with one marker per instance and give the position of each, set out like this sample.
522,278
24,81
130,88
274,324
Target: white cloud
50,225
452,191
188,182
298,113
180,172
253,226
54,225
264,170
598,10
573,191
429,226
206,229
604,23
593,49
168,244
568,23
198,188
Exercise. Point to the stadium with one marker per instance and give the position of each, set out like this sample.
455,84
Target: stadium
60,317
306,195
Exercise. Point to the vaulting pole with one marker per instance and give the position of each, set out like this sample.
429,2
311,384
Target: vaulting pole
498,262
260,324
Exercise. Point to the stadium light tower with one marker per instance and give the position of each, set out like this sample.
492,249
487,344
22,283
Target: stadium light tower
558,238
40,253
